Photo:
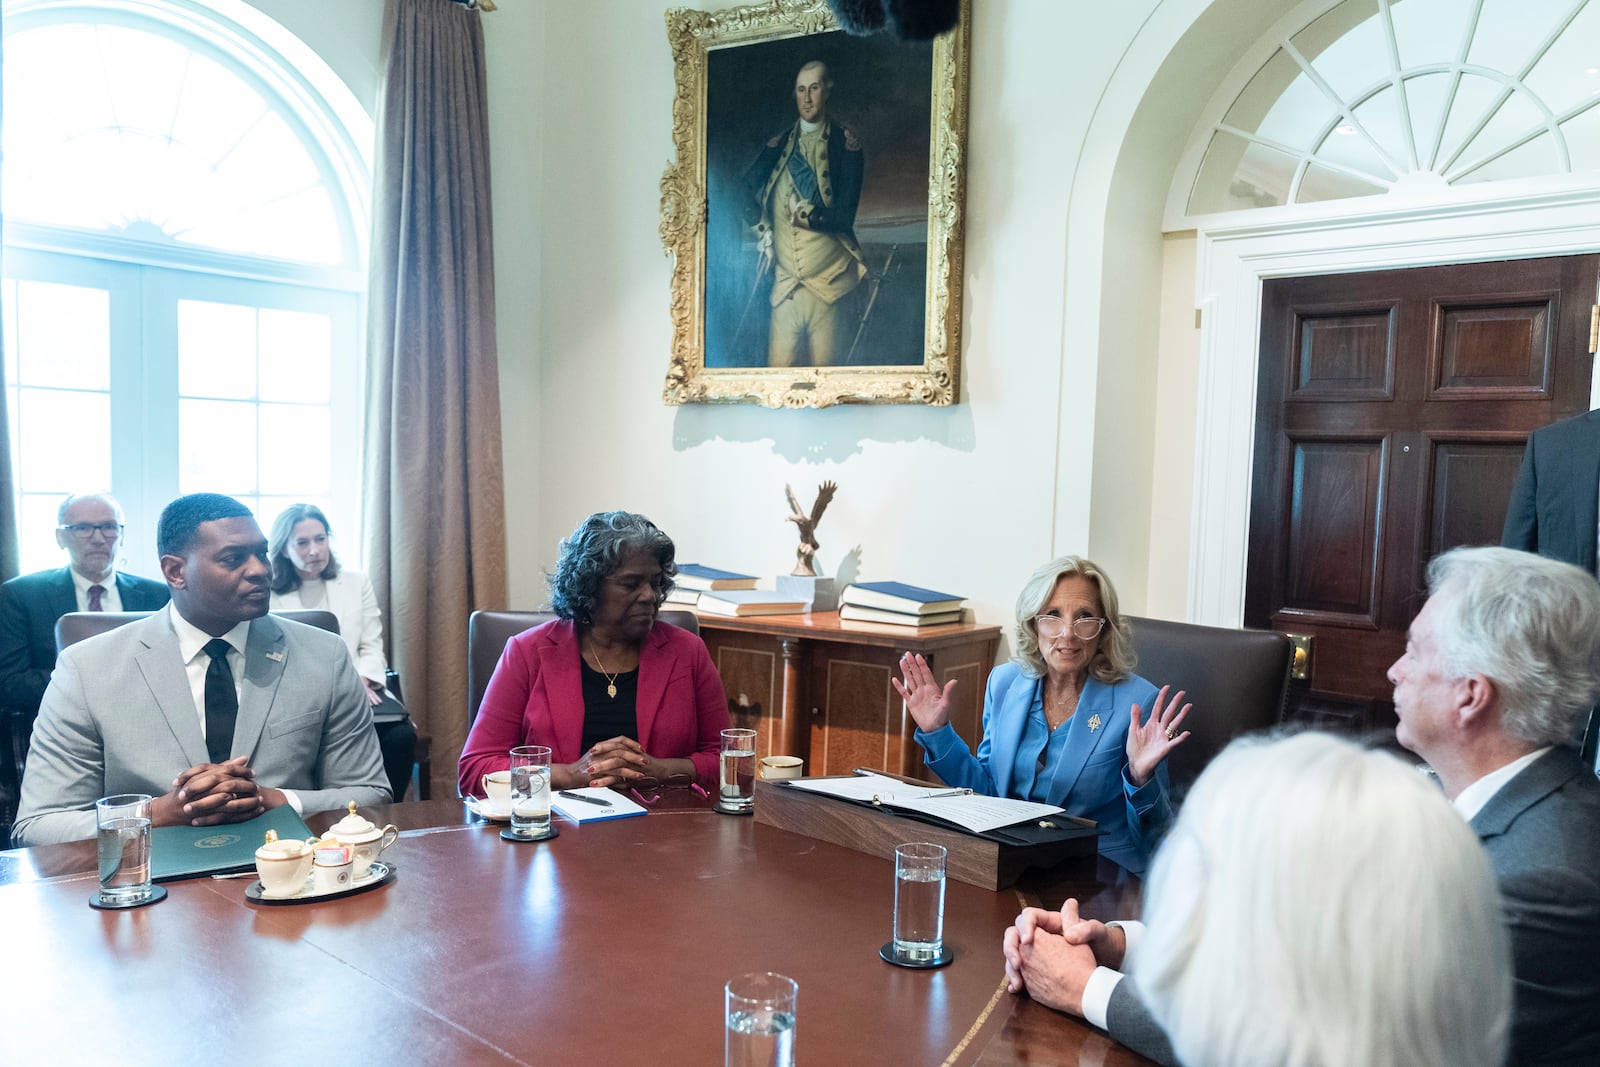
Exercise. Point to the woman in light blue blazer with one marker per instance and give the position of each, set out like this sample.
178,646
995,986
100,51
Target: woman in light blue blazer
1063,721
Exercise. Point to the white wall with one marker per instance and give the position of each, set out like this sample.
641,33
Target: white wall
967,499
963,499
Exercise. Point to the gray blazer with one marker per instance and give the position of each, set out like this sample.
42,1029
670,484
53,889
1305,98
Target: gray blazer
1542,833
119,717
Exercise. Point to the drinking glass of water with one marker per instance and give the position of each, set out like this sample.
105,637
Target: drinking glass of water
919,904
760,1021
738,779
123,830
530,791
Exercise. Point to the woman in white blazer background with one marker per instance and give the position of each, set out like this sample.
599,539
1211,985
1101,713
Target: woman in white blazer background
306,575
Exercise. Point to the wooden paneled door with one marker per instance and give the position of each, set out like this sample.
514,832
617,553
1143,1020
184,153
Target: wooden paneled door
1392,410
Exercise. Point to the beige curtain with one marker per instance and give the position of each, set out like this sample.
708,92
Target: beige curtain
434,506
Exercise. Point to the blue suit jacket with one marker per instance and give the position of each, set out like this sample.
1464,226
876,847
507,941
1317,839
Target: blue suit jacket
1089,780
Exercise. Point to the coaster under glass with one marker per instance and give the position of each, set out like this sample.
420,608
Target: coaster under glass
157,894
507,835
888,954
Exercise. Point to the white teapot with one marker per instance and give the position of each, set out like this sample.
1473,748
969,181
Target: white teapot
366,840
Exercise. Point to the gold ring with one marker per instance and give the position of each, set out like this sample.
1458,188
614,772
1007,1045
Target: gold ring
1171,733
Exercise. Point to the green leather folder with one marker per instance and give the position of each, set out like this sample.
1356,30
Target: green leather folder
185,851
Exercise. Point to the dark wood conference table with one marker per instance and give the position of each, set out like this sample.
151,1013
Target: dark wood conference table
609,944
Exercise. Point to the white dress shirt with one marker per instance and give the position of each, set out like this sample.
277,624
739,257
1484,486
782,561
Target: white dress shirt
192,643
110,600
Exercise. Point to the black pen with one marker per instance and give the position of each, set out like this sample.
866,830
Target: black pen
586,800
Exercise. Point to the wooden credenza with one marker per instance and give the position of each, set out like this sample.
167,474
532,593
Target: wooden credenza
815,687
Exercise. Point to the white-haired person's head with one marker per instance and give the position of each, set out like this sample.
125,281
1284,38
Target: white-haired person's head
1319,904
1531,626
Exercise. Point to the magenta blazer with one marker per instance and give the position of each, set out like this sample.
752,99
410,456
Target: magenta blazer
536,698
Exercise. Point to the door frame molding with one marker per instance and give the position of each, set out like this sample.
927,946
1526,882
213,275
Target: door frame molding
1233,259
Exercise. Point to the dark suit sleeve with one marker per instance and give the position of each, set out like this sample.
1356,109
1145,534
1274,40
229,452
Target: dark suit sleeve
1522,517
21,683
142,594
1553,915
1129,1023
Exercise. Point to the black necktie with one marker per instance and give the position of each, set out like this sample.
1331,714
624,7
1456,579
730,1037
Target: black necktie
222,702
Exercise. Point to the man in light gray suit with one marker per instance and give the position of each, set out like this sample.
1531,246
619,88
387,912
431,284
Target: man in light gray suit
1500,664
215,709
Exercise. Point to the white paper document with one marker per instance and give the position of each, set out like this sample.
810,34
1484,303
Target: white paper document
601,803
971,811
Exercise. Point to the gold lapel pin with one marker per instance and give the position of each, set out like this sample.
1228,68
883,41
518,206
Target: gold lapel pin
1094,723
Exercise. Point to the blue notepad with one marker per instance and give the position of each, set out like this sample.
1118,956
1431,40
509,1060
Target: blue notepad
614,805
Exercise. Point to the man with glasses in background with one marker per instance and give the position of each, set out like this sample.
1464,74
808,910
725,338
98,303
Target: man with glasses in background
89,527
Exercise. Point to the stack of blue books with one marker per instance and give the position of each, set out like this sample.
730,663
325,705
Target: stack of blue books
899,604
694,579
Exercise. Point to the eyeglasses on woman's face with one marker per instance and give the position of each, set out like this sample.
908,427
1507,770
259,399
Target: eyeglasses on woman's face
1084,629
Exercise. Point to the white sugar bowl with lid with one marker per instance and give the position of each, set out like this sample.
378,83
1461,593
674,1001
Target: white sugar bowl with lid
366,839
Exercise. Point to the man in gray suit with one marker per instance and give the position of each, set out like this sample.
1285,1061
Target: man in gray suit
215,709
1501,662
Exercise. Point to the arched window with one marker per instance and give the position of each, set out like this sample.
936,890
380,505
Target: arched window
185,196
1407,96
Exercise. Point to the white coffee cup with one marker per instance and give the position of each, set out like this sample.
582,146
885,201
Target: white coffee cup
775,767
283,867
497,788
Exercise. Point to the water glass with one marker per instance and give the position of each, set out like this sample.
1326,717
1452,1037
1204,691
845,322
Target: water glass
738,777
919,902
760,1021
530,791
122,825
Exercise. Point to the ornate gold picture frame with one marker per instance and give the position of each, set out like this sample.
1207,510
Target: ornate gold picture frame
814,211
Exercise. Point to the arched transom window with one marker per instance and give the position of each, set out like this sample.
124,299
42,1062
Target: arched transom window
1378,96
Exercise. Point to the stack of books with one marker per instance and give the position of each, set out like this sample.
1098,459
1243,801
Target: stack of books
898,604
693,579
750,602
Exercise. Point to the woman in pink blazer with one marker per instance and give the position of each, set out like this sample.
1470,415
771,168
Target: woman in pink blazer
614,693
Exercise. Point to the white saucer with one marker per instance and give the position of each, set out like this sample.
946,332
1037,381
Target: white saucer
484,809
379,873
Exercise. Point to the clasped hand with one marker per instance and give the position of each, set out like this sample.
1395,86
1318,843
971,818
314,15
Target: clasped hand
1051,955
608,763
209,794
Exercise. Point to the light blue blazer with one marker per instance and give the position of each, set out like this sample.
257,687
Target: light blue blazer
1089,778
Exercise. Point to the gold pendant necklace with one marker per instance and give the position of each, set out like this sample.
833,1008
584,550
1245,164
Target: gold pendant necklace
611,679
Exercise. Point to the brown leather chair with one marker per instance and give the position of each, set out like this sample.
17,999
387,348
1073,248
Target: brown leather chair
1236,679
75,626
488,632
